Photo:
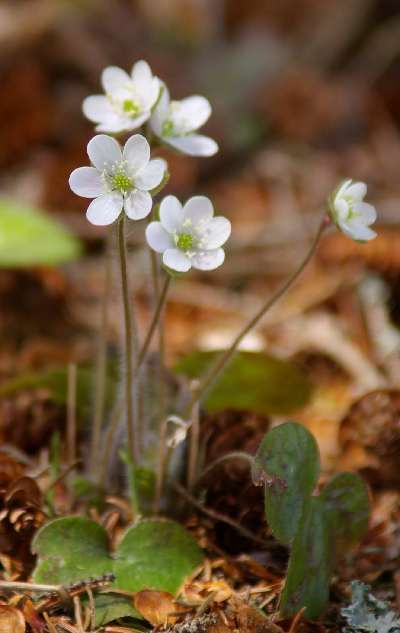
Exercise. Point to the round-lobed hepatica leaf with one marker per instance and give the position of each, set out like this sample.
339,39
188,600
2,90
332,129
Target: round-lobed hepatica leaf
310,564
30,238
112,606
71,549
287,461
156,554
153,554
346,502
251,382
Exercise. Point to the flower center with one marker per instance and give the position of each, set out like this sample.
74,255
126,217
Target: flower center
351,212
177,123
121,181
167,128
131,107
185,241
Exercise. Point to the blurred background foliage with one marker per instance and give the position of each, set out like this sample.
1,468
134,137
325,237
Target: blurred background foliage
304,93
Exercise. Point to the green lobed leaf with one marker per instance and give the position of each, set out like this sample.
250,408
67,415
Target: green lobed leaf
112,606
310,564
251,382
153,554
30,238
156,554
71,549
346,502
55,380
287,461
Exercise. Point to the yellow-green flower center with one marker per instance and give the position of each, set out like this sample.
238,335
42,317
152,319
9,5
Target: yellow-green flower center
121,181
184,241
167,128
131,107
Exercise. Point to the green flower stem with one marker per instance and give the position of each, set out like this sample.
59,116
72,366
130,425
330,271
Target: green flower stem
71,412
101,362
163,453
223,359
194,447
109,442
238,455
129,342
153,325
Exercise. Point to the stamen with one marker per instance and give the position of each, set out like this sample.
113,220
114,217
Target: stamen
167,128
121,181
131,107
184,241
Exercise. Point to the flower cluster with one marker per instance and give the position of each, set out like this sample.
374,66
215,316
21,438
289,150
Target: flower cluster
132,100
125,178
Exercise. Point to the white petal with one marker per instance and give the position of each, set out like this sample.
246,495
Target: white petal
357,231
357,191
141,73
217,232
86,182
146,85
343,188
341,209
171,214
104,151
196,110
105,209
366,211
121,123
113,125
97,108
177,260
154,92
161,111
136,153
193,144
138,205
151,175
150,96
199,210
116,82
158,238
208,260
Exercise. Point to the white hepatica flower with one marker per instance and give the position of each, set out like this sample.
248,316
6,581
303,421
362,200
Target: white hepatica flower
119,179
128,99
189,235
350,213
176,124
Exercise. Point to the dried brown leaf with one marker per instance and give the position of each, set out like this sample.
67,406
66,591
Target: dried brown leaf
158,607
11,620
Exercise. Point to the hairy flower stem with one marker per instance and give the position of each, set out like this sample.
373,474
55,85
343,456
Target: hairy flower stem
154,322
129,341
109,442
163,450
71,412
224,358
194,447
101,369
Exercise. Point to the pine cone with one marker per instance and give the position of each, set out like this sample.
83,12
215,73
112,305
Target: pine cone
20,517
370,437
